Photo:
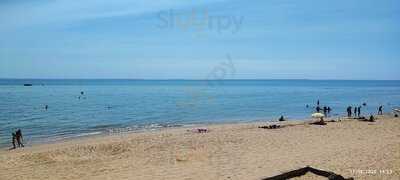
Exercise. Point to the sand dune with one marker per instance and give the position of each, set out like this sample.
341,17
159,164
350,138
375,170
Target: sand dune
233,151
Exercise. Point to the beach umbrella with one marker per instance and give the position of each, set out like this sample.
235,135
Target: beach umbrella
317,115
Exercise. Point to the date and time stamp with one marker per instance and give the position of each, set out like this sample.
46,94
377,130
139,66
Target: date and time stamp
371,172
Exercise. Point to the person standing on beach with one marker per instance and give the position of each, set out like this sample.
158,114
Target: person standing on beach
318,109
355,111
380,110
329,110
349,111
325,109
19,138
14,138
359,111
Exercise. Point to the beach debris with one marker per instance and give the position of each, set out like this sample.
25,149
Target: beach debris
302,171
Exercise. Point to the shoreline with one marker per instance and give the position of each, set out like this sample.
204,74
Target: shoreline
89,136
99,134
227,151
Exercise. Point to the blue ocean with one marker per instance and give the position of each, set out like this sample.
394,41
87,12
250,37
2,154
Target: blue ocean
87,107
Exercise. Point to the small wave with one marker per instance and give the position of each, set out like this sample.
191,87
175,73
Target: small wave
105,126
87,134
153,126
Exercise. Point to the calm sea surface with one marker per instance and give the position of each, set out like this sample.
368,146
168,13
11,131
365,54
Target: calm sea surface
123,105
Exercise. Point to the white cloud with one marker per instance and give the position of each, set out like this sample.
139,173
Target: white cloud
19,15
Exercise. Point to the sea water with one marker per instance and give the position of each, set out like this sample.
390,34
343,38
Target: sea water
86,107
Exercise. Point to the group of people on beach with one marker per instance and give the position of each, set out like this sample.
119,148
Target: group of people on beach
17,139
326,109
351,112
357,111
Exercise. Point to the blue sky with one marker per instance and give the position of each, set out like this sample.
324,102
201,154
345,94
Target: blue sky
182,39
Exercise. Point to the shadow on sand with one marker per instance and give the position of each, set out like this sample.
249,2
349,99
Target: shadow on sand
303,171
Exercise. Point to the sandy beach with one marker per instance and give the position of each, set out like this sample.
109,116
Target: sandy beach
352,148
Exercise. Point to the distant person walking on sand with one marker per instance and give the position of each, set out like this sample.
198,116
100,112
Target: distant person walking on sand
325,109
359,111
19,138
380,110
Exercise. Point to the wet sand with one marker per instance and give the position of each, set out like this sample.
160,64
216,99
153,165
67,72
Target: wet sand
363,150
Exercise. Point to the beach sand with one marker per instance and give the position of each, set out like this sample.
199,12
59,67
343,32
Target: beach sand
363,150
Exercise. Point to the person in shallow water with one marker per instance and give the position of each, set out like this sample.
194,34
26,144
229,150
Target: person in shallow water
380,110
14,138
318,109
19,138
325,109
355,111
349,111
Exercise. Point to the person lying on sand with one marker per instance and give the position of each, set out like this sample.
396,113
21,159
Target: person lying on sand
371,119
199,130
320,122
202,130
274,126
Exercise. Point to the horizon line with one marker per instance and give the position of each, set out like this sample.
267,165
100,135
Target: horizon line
183,79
